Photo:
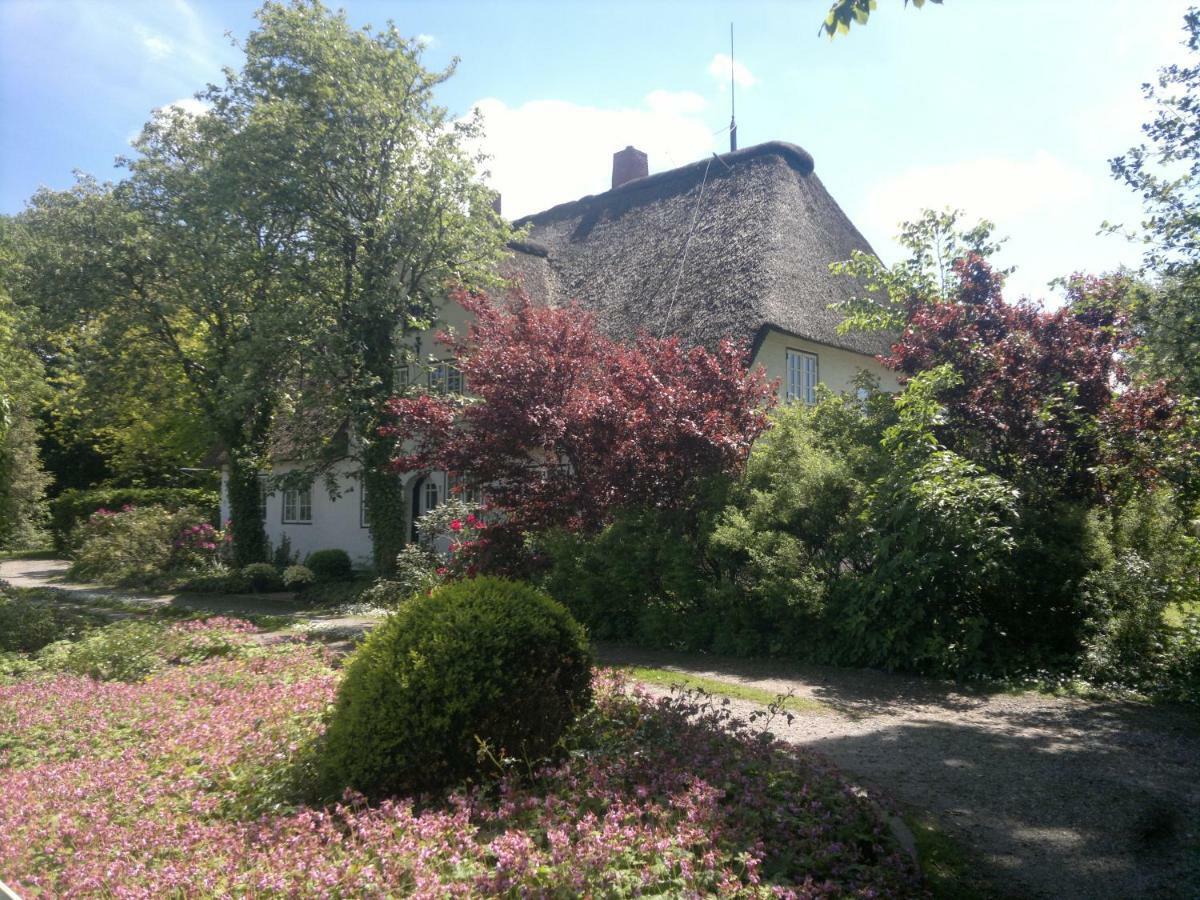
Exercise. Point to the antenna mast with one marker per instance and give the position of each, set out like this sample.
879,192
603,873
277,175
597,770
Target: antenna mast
732,97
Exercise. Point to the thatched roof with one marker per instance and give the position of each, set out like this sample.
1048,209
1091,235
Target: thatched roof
765,231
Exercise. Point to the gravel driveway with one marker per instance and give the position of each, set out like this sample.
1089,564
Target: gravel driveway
1058,797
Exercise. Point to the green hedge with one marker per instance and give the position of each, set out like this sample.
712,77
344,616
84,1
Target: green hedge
69,507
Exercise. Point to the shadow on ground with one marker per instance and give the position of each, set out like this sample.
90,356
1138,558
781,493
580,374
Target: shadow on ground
1056,797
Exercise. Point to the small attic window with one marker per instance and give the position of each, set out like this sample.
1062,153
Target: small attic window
802,377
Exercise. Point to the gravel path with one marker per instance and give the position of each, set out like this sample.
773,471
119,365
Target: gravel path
1058,797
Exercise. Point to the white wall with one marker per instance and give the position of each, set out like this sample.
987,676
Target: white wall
836,368
335,520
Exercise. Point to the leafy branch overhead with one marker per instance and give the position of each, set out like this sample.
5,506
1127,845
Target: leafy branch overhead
844,13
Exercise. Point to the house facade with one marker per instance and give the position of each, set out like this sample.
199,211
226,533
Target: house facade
735,245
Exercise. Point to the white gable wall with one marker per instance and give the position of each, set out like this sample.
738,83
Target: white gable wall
335,521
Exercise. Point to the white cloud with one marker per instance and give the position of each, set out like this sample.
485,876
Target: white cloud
189,105
545,152
1049,209
426,40
998,188
720,68
671,103
156,45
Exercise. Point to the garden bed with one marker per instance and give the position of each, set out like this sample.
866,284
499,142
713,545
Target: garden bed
193,780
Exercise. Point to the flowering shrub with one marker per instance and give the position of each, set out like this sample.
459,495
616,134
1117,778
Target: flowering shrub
142,545
184,785
297,578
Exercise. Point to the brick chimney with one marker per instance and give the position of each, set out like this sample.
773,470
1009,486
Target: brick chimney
629,164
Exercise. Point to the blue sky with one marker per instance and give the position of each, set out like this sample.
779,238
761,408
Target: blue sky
1007,108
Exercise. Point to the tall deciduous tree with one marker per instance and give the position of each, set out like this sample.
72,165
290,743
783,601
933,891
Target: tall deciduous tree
22,479
565,426
1165,171
188,275
266,254
390,197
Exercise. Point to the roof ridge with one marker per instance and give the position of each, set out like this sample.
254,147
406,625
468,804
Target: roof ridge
796,156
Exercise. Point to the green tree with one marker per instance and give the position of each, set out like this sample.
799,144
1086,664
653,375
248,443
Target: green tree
183,274
391,202
1165,171
22,479
844,13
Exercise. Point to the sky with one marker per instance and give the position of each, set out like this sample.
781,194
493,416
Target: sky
1007,109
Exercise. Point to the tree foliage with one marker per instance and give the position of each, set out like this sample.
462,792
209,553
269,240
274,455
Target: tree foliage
844,13
568,425
1046,398
23,481
258,261
391,201
1165,172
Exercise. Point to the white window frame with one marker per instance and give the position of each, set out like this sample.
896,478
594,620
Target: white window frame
431,487
445,378
803,375
297,506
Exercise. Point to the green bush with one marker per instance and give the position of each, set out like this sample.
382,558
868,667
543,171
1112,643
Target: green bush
142,546
71,507
132,650
387,593
29,620
330,565
224,583
484,659
297,578
263,578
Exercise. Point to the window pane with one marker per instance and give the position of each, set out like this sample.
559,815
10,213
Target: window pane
454,380
431,495
437,379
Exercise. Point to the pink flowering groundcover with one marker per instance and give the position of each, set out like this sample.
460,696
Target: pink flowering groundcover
192,783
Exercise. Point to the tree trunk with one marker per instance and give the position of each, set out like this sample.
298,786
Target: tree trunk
249,538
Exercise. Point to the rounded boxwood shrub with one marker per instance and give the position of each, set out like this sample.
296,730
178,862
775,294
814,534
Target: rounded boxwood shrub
297,578
486,659
263,578
330,565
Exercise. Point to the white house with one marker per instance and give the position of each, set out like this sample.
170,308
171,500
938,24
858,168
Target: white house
734,245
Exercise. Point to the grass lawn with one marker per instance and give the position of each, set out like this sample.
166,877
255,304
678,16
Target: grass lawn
671,678
155,758
28,554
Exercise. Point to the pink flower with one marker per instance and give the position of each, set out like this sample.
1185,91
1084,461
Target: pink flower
456,525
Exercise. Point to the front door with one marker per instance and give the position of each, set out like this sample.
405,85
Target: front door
427,495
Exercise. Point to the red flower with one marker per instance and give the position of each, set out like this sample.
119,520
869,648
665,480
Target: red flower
456,525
